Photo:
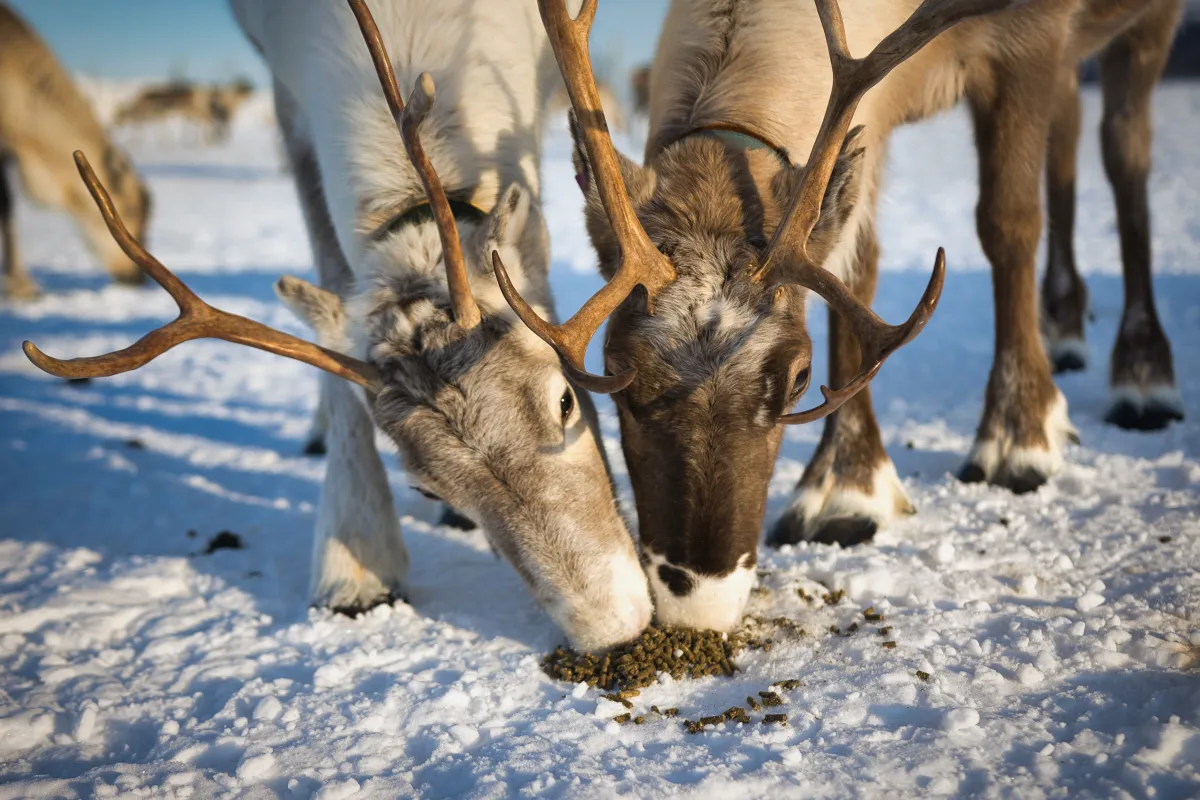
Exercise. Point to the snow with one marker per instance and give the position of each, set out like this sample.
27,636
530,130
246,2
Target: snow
1056,633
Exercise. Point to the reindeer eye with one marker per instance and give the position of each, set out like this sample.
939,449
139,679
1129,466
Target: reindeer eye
426,493
800,385
567,404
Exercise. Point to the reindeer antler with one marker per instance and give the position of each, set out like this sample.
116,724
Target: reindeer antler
409,119
641,262
197,319
786,259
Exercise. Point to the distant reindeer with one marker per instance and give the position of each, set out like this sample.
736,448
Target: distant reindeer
209,107
724,231
479,407
43,117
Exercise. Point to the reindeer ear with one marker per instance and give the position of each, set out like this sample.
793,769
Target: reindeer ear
321,310
639,183
841,196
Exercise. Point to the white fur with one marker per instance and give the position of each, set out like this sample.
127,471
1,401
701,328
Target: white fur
622,612
831,500
716,603
999,454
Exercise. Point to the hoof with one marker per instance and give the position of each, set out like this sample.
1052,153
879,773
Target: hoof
452,519
1017,481
356,610
844,531
1150,416
1068,362
20,291
315,447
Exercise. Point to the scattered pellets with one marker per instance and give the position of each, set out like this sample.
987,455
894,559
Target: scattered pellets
621,719
754,705
890,645
922,674
885,630
678,652
639,720
734,712
853,627
670,712
871,615
693,727
835,630
1165,539
805,596
770,699
225,540
617,698
712,720
833,598
788,685
779,719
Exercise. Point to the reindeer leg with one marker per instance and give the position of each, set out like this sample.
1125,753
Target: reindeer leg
1064,295
1144,394
17,283
850,487
1020,440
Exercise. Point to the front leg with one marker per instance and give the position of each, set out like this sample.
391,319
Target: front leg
850,487
359,558
1021,438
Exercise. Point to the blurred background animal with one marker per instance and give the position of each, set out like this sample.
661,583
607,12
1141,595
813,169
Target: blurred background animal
211,107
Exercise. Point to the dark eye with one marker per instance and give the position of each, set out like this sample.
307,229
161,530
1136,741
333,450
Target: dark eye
567,403
800,385
426,493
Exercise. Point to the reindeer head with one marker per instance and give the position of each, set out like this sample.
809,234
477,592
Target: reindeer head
481,410
709,357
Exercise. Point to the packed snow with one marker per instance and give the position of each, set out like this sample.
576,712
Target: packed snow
1044,645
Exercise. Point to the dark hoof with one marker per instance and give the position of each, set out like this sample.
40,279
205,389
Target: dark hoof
847,531
788,529
452,519
356,610
1023,482
1069,362
972,473
1150,417
315,447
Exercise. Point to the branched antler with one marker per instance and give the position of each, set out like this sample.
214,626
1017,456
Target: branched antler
196,320
409,119
641,262
786,260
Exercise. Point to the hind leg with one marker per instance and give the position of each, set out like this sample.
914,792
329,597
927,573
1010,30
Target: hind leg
1064,295
850,488
1142,377
17,283
1024,427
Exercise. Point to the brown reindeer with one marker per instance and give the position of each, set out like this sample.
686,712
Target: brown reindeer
43,117
209,107
724,231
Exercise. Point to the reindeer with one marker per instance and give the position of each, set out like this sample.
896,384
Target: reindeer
210,107
479,407
43,116
723,231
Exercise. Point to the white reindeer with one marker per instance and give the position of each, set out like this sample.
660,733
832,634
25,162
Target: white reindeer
479,407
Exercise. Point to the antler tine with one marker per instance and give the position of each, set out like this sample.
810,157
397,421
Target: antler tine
196,320
408,119
641,262
852,79
876,339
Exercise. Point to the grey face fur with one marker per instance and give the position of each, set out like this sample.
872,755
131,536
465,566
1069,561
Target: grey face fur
719,360
485,420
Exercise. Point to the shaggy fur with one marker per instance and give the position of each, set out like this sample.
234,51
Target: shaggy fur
484,418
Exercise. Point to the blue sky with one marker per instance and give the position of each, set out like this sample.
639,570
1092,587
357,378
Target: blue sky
199,39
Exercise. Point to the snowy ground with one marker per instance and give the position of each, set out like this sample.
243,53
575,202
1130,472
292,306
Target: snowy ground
1060,631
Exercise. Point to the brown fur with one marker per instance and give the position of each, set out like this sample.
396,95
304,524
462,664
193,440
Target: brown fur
762,67
43,119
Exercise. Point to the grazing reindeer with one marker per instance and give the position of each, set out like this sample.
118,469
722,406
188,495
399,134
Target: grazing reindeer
723,231
479,407
43,117
210,107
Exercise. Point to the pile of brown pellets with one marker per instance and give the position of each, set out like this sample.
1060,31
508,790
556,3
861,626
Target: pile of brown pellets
679,652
